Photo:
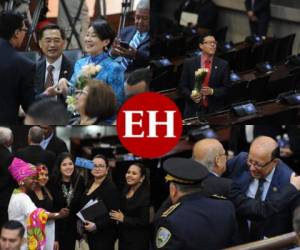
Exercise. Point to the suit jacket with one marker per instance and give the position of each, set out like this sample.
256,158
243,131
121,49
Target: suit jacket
135,230
57,146
16,80
66,71
278,223
261,8
219,80
35,154
216,185
195,222
7,183
143,49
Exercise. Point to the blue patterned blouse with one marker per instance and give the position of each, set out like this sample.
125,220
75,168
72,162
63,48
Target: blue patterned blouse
111,73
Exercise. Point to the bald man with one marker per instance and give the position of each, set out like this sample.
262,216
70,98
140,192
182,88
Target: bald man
211,154
261,175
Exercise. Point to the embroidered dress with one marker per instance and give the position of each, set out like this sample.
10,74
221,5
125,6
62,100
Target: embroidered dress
22,209
111,73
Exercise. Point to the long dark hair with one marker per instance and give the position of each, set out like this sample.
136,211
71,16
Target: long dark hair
103,30
56,174
144,173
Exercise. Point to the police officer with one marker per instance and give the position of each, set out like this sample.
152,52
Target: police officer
193,221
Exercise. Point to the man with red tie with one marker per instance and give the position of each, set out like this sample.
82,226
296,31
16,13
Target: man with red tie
213,90
258,12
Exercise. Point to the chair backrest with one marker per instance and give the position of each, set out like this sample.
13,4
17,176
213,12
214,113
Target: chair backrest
73,54
285,47
31,55
257,88
242,59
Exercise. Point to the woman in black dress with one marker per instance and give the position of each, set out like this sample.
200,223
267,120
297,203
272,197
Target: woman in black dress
67,187
101,232
135,210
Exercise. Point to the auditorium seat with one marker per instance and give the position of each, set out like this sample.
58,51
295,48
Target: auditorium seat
242,61
220,34
237,93
285,47
73,54
257,88
31,55
285,84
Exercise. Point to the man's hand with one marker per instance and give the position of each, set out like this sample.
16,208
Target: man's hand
118,50
52,91
63,86
295,181
196,97
206,91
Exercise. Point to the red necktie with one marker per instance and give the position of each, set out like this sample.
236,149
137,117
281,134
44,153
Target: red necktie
206,80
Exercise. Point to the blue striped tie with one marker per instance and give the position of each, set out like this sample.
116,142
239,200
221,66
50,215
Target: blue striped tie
135,42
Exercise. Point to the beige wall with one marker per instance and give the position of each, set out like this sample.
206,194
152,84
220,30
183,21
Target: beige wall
113,6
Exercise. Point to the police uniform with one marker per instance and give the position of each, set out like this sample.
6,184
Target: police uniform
195,221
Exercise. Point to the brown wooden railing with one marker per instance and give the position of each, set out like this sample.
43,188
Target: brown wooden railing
275,243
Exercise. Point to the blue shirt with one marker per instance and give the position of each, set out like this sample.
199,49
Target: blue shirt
111,73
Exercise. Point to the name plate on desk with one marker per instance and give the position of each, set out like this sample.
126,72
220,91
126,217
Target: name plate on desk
244,109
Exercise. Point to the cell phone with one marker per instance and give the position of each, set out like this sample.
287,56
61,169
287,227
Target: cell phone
125,45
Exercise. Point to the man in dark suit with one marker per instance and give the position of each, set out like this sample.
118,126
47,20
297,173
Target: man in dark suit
54,66
261,176
258,12
193,221
7,183
213,90
34,153
138,38
15,70
51,142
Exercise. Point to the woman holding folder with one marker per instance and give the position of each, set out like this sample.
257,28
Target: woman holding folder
101,231
135,209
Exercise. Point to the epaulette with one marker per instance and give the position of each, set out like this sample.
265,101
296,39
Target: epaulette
170,210
220,197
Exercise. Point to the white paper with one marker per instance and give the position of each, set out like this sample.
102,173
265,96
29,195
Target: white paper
187,18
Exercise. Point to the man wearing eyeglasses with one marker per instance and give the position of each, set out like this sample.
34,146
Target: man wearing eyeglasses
212,93
15,70
261,176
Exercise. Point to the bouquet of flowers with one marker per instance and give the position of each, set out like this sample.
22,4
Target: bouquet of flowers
200,75
87,72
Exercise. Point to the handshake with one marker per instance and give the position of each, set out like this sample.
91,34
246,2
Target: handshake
61,88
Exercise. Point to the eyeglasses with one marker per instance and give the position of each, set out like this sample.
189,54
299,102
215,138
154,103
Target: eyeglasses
80,92
99,166
211,42
258,165
23,29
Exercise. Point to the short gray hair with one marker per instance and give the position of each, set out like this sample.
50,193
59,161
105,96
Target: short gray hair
36,134
6,136
209,159
143,5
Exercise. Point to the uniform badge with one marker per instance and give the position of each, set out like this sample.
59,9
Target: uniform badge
162,237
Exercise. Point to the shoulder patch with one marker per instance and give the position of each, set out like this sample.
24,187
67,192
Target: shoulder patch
170,210
163,235
220,197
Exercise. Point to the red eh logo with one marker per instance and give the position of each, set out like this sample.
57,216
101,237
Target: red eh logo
149,125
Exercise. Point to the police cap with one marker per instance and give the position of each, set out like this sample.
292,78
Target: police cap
184,171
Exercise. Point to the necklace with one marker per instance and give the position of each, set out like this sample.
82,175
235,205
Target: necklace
68,194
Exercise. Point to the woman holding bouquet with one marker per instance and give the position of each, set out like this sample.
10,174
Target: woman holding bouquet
66,186
97,43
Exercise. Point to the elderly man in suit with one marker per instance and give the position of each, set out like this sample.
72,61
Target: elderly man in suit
214,88
54,66
34,153
15,70
261,176
138,38
258,12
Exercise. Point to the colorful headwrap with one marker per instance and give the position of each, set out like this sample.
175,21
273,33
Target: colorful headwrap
41,167
20,169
